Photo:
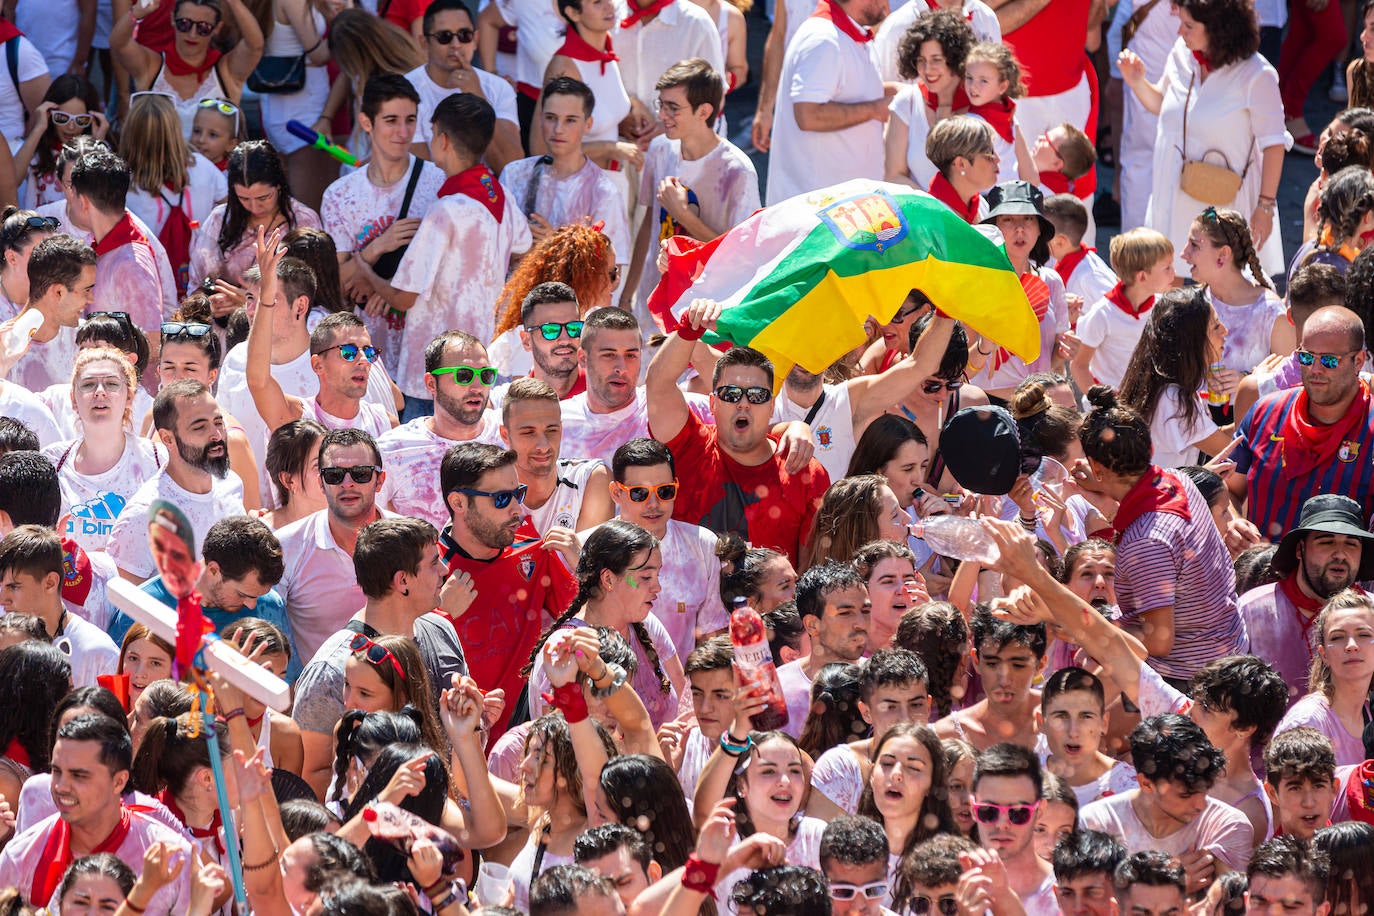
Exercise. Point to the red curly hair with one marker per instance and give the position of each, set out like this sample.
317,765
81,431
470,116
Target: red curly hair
575,255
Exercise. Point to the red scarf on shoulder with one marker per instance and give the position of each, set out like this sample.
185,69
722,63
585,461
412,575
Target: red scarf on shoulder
577,48
999,114
960,103
9,30
200,833
57,855
830,11
652,9
1308,444
1157,490
1066,265
122,233
944,192
481,185
1117,297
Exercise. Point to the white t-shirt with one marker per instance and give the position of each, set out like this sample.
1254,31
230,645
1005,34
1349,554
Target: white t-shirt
598,435
805,849
23,405
796,690
822,64
1114,334
91,502
688,603
541,34
1091,279
206,186
1175,439
832,427
680,31
30,66
1220,829
411,455
93,653
838,776
589,195
498,92
128,544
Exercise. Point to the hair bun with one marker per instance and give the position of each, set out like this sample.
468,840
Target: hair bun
1102,397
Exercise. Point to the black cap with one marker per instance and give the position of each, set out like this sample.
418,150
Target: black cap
1018,198
1327,513
982,449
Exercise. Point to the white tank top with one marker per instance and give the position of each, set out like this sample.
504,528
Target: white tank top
210,88
565,505
612,101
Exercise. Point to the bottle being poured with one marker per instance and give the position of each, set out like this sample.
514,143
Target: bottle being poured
957,537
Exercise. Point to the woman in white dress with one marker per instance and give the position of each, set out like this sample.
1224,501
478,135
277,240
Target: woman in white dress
292,28
1234,118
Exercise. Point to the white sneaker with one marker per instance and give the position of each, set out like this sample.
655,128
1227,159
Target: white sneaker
1338,92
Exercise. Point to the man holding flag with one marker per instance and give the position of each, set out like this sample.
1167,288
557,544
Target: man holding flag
732,477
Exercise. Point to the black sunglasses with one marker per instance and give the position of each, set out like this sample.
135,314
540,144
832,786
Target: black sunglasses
551,330
41,223
500,498
445,36
361,473
731,394
203,29
193,329
938,384
946,904
666,491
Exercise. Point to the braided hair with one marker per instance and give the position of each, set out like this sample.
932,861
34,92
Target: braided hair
1347,197
364,734
612,548
1227,227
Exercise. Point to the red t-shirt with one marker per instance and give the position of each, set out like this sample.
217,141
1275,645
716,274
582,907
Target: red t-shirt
763,504
403,13
515,591
1050,47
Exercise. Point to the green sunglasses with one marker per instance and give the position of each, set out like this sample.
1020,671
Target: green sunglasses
464,375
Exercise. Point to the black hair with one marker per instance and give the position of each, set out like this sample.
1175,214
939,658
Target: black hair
1287,856
1151,868
1007,759
783,890
304,816
852,839
364,734
241,545
833,717
605,839
253,162
1086,852
29,489
381,88
1232,29
641,453
548,293
122,334
103,177
464,464
785,629
444,6
1350,880
388,546
428,803
116,747
1172,351
560,889
1175,749
1299,753
58,260
346,437
895,667
935,816
168,755
1067,680
290,447
937,633
986,628
468,121
16,437
100,864
741,568
566,85
1114,435
1254,567
742,356
335,857
822,580
37,676
955,358
644,793
1246,686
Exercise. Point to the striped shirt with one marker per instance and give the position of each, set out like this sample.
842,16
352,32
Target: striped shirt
1164,561
1275,502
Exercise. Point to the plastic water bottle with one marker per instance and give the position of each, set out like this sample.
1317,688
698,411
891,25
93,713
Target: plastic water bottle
400,828
19,335
957,537
754,662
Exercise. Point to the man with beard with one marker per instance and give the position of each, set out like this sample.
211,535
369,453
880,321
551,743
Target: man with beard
572,493
521,581
318,584
459,379
1317,559
1313,439
551,309
196,478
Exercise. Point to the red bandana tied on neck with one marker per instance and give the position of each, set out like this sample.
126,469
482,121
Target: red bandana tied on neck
1066,265
1359,792
57,855
999,115
960,102
831,11
1203,61
1038,294
123,233
1057,183
1117,297
177,66
1157,490
1308,444
76,573
1308,607
481,185
653,9
944,192
201,833
578,48
9,30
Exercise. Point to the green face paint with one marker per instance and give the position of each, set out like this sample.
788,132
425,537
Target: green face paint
631,581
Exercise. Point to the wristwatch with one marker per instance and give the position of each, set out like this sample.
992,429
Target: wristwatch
619,676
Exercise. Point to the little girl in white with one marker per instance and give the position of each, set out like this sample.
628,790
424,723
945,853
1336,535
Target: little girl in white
992,81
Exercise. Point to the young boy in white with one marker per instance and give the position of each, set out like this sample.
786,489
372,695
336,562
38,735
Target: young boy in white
695,183
372,213
1111,327
456,264
1078,264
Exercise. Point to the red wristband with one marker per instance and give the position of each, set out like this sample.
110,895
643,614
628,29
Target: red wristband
700,876
687,332
570,701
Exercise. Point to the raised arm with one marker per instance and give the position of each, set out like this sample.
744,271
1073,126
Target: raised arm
275,408
248,51
1133,75
483,824
667,406
871,395
141,62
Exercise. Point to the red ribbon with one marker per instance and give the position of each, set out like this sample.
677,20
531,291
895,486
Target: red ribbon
481,185
192,626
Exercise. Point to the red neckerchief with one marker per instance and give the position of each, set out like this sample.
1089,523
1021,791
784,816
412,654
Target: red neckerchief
57,855
17,753
960,103
1203,61
578,48
123,233
1117,297
1308,445
481,185
1057,183
200,833
653,9
1038,294
76,573
1308,608
999,115
119,685
944,192
223,164
9,30
192,626
179,67
1066,265
1157,490
830,11
1359,792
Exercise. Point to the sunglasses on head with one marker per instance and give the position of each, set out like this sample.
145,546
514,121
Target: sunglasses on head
361,473
499,498
203,29
464,375
121,317
1328,360
446,36
61,118
840,890
228,109
192,329
921,904
552,330
350,352
374,653
732,394
666,491
41,223
1017,815
939,384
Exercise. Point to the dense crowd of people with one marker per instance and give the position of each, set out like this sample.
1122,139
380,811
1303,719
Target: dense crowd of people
330,324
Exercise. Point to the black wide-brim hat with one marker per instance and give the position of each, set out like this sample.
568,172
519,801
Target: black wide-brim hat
1018,198
1327,513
